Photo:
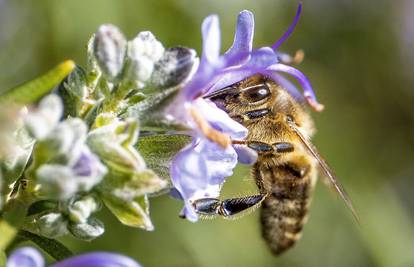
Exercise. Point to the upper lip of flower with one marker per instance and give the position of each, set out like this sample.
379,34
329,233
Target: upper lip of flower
241,60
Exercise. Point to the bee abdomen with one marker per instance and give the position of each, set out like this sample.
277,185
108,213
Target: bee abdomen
285,209
282,222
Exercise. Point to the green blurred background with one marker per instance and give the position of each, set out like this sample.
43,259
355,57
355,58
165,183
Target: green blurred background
359,58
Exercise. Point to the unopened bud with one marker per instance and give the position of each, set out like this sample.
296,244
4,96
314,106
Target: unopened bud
143,51
109,50
81,210
174,67
87,231
52,225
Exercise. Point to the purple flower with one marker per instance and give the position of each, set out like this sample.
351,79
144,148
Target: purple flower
200,169
30,257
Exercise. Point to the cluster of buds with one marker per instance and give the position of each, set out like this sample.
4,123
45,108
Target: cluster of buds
76,150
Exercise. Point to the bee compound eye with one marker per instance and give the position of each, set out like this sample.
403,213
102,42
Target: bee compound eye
289,118
256,93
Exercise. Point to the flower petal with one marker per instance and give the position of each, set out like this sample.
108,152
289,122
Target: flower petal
25,257
243,39
245,155
211,38
98,259
220,162
219,119
199,170
188,171
287,85
259,60
289,31
302,80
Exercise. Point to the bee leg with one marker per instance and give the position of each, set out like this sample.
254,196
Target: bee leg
227,207
280,147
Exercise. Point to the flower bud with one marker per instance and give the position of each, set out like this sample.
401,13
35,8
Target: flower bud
174,67
42,120
115,142
67,138
109,50
143,51
52,225
81,210
87,231
63,181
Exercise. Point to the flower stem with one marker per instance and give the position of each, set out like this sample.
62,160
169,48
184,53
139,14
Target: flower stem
119,92
51,246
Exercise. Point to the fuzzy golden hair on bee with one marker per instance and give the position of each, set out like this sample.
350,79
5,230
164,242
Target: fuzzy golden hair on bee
279,129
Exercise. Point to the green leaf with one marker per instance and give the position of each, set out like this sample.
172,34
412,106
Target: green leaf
126,184
133,213
150,110
52,247
42,206
73,92
35,89
158,151
124,192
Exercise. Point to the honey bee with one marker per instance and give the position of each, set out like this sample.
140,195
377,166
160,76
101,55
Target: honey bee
279,129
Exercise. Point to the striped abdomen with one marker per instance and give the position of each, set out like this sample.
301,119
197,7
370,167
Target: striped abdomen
284,211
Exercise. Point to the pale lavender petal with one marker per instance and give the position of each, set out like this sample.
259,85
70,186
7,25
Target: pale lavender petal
290,29
230,77
88,164
287,85
98,259
198,171
219,119
211,39
299,76
261,58
25,257
245,155
243,39
175,194
220,162
188,171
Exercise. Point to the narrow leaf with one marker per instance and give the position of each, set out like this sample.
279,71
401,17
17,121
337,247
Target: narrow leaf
133,213
159,149
33,90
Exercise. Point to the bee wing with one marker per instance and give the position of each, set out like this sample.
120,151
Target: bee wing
326,169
